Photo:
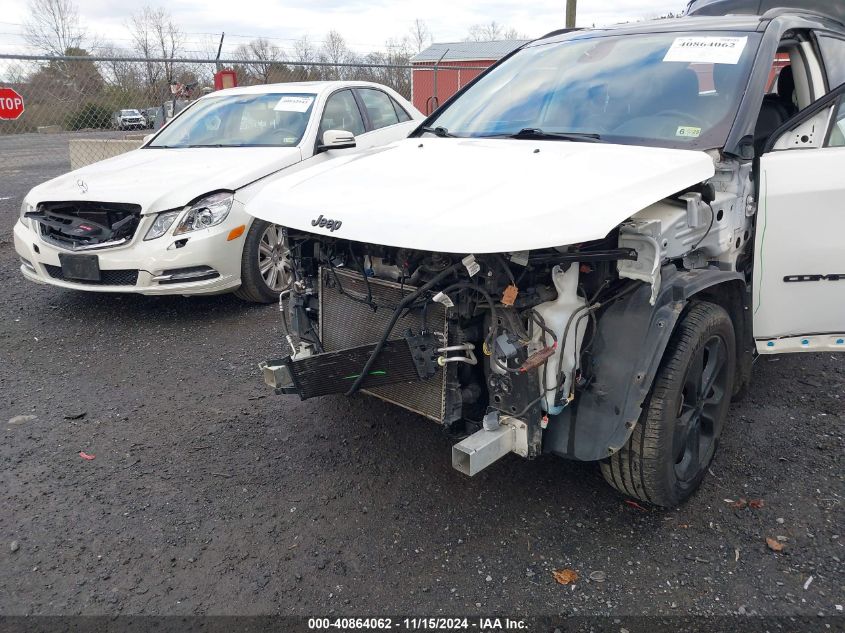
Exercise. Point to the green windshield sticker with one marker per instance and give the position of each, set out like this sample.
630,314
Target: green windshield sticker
688,132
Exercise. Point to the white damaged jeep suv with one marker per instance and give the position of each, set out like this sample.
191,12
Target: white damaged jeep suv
582,252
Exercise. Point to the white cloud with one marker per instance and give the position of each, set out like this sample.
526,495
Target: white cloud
366,24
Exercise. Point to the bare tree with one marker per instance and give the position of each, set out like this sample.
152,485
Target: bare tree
156,35
305,51
485,32
492,32
119,73
420,36
399,54
268,56
389,67
335,51
513,34
53,26
208,46
15,74
68,81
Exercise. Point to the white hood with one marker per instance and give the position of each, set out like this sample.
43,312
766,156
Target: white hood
477,195
160,179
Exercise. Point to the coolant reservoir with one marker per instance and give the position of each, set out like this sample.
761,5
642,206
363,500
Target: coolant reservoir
556,314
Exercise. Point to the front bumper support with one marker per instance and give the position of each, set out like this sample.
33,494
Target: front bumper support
411,359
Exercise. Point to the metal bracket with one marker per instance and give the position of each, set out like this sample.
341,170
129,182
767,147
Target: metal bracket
424,353
484,447
641,236
277,375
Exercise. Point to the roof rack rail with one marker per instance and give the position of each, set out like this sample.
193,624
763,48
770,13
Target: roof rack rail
559,32
769,9
771,14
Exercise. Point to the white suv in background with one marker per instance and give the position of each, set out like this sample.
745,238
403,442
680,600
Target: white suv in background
128,120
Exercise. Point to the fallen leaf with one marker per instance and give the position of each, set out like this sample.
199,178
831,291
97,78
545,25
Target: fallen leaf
636,505
756,504
742,503
774,545
86,456
565,576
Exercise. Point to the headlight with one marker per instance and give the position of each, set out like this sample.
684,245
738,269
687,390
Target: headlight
162,222
207,212
25,208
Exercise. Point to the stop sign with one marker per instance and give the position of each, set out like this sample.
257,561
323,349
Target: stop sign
11,104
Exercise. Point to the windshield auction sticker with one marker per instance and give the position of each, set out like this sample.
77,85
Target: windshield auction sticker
294,104
707,50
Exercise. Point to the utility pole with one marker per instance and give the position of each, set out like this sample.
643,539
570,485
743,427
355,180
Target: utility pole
219,50
570,13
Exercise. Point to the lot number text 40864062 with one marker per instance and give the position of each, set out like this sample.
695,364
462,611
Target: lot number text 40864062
491,625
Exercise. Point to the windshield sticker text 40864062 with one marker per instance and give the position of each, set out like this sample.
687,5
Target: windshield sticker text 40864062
706,50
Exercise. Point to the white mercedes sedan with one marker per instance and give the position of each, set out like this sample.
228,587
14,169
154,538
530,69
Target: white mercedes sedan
168,218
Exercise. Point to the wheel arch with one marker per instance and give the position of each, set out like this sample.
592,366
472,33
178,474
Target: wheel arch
630,341
735,298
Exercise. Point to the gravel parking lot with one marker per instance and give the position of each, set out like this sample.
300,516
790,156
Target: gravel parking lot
208,495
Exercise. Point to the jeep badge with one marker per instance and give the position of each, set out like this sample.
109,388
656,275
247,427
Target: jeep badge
322,222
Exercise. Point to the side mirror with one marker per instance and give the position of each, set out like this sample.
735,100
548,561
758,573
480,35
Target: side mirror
337,139
147,138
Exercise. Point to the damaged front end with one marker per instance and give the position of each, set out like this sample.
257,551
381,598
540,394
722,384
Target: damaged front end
80,226
490,346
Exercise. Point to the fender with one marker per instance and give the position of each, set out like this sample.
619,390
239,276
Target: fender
630,341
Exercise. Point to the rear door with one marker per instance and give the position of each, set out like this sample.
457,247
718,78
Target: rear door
387,119
799,270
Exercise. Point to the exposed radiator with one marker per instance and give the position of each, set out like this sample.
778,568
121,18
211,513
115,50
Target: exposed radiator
346,323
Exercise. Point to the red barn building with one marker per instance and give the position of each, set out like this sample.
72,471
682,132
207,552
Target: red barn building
443,69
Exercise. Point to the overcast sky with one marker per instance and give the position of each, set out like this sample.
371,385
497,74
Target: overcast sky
366,24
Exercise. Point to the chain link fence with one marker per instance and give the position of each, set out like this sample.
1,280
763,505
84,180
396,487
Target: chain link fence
98,107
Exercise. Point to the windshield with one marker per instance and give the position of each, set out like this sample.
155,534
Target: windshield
251,120
667,89
130,113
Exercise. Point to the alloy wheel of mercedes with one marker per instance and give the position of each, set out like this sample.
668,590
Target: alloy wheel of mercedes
265,264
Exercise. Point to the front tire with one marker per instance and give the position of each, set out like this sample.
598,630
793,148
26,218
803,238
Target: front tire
674,442
265,264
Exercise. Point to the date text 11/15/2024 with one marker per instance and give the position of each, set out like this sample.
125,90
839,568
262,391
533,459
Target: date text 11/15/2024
481,624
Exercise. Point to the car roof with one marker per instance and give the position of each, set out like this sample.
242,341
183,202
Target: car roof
744,22
312,87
